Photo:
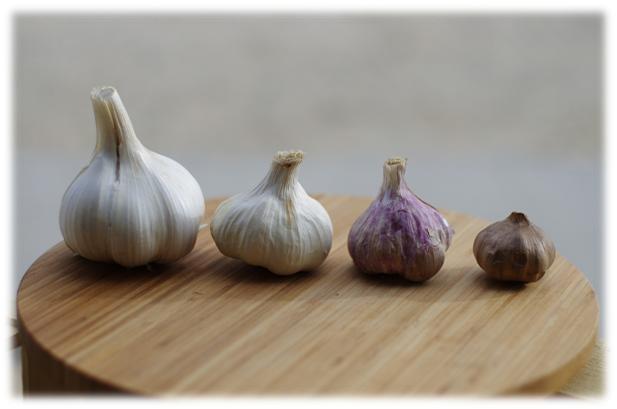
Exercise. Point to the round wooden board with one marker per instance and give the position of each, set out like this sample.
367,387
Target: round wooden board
210,324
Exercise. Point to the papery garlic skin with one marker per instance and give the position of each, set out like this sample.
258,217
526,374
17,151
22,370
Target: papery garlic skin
514,249
277,225
399,233
130,205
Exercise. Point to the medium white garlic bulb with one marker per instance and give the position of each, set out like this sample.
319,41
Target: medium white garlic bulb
277,225
130,205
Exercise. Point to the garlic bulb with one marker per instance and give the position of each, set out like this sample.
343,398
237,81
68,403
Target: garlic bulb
276,225
399,233
514,249
130,205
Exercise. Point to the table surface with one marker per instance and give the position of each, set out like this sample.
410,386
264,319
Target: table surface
212,324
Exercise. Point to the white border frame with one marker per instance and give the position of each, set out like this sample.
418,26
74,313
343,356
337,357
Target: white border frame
10,7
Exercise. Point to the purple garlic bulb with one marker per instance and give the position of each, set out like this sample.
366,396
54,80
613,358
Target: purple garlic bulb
399,233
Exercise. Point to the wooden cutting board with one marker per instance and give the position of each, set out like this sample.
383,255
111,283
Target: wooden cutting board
210,324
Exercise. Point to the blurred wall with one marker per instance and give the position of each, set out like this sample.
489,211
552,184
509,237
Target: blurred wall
495,113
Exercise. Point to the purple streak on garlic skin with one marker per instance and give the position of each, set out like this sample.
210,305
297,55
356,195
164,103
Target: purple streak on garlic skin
399,233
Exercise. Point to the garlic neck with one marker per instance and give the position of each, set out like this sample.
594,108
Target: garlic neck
393,175
282,177
114,130
518,218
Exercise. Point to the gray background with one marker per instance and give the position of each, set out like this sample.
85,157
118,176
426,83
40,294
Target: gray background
495,113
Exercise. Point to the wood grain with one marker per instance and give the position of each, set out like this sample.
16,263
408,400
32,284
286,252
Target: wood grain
588,382
210,324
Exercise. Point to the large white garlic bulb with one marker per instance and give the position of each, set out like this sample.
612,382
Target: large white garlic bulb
130,205
277,225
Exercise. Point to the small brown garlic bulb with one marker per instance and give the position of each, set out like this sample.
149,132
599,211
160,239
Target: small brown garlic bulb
514,249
